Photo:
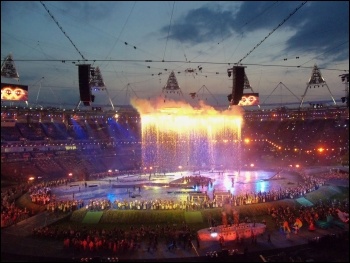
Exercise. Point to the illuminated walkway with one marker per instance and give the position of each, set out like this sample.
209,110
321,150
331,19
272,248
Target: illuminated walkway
172,186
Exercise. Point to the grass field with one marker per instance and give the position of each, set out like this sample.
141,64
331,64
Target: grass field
195,219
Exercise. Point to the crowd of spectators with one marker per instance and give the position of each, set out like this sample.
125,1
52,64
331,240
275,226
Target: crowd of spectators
324,212
41,194
55,149
321,211
297,141
118,241
64,206
43,152
10,213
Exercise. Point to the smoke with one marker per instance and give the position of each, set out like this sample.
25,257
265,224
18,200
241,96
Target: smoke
157,105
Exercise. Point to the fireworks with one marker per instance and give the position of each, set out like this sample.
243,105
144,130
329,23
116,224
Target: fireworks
175,134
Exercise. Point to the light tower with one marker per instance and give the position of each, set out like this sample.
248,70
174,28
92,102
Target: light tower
345,80
316,81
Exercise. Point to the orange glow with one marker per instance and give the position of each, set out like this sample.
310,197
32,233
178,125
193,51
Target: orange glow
249,99
320,150
247,140
13,92
174,132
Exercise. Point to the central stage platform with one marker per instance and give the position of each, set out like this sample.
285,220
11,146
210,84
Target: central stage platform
231,233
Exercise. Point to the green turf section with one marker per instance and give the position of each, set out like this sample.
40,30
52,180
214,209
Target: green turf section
334,189
92,217
303,201
193,217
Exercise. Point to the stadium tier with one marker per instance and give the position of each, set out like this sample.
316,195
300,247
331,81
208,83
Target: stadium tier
50,143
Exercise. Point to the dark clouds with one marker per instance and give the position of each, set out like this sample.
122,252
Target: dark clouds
9,14
325,29
320,27
88,11
202,25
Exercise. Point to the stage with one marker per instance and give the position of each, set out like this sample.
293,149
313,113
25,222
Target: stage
175,186
231,233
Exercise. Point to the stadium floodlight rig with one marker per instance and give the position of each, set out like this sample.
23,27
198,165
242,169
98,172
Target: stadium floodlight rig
90,80
13,92
316,81
172,88
345,80
97,83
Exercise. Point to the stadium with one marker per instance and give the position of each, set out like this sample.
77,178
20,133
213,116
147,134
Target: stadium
94,173
99,148
84,165
38,142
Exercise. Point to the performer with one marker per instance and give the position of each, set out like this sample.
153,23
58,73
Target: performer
286,227
343,216
312,225
297,225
